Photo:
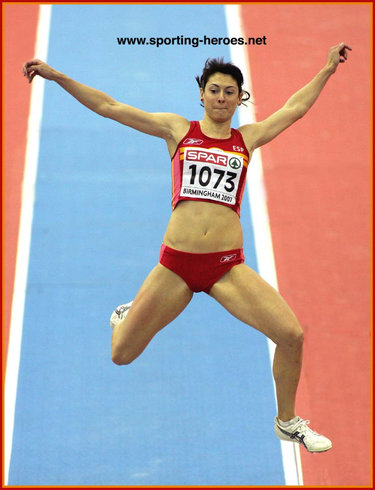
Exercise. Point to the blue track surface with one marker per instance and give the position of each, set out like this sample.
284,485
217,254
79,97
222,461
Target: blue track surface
197,407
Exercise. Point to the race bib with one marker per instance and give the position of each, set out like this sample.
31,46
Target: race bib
211,174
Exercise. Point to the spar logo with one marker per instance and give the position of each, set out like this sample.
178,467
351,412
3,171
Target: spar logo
235,163
206,156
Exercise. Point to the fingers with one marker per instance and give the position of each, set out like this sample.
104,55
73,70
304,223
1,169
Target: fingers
29,63
341,47
341,51
30,73
344,52
346,46
29,69
31,77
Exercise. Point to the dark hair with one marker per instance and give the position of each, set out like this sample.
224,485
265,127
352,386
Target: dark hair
218,65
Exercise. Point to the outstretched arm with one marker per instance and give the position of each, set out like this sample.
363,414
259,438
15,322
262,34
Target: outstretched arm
162,125
260,133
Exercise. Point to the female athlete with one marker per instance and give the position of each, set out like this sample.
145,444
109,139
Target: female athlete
202,246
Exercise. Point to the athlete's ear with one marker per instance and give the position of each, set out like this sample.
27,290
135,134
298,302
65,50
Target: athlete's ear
201,96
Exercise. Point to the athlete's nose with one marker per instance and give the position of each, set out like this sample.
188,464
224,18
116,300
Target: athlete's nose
221,97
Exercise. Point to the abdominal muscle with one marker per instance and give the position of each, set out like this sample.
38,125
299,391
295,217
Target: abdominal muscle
203,227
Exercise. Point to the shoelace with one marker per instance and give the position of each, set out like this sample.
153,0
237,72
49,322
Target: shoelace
302,427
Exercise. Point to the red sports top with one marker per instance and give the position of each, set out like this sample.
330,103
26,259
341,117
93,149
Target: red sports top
209,169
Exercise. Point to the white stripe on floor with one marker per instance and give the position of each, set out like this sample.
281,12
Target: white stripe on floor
24,238
260,219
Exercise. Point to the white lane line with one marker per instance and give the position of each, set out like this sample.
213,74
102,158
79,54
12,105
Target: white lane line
24,238
260,218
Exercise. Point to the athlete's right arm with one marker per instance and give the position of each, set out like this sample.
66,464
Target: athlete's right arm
156,124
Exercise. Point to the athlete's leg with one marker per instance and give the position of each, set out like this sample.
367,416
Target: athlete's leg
253,301
161,298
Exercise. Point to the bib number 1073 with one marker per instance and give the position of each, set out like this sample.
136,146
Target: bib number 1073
206,177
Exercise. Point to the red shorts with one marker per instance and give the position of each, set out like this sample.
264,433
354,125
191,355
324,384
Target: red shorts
200,271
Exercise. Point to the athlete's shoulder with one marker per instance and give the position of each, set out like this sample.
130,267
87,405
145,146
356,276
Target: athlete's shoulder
248,133
179,126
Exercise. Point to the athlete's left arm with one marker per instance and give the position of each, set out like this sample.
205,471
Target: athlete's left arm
260,133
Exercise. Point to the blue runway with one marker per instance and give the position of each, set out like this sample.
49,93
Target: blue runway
197,407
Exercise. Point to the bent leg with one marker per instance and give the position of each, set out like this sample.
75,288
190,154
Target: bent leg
161,298
253,301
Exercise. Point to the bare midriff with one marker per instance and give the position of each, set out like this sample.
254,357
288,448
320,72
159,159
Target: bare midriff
203,227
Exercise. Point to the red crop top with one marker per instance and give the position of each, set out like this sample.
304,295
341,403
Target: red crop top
209,169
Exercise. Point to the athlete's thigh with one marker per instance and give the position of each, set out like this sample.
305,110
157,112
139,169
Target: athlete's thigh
255,302
161,298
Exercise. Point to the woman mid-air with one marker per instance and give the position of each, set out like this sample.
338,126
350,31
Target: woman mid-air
202,248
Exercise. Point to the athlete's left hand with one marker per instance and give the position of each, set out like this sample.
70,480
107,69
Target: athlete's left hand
338,54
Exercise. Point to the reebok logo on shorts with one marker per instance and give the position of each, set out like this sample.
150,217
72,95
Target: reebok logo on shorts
228,258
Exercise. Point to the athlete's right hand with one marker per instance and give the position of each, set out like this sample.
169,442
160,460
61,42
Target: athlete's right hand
37,67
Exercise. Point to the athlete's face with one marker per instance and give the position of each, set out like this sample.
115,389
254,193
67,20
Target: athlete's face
221,96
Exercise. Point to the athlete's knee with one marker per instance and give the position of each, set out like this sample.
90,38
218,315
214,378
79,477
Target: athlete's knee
121,360
293,337
122,357
297,338
121,353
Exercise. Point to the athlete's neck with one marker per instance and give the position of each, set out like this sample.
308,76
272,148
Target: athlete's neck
214,129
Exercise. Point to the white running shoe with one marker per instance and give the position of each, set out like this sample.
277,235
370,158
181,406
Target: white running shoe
119,314
299,432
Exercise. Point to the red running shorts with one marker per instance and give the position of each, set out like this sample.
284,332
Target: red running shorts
200,271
